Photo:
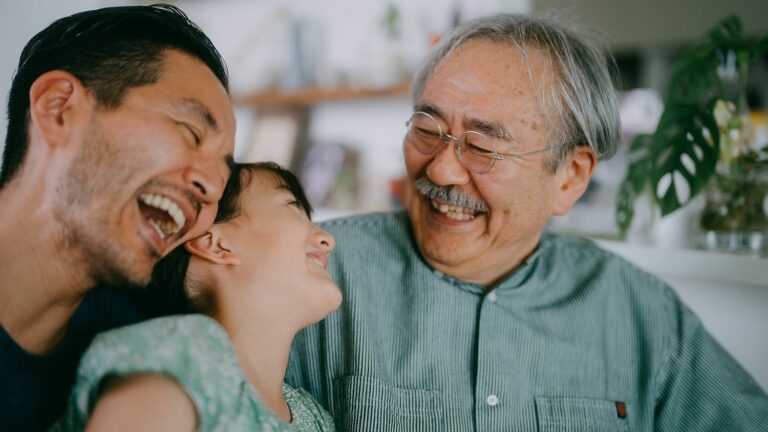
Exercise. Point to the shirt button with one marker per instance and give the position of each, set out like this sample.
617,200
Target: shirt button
491,297
492,400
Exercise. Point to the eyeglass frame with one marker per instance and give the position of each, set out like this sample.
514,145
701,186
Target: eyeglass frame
446,137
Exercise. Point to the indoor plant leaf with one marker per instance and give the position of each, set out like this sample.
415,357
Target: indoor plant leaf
634,182
686,146
696,75
760,48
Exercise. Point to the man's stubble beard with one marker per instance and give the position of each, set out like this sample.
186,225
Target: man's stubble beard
89,216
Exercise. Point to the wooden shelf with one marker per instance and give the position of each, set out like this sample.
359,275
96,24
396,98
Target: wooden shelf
314,95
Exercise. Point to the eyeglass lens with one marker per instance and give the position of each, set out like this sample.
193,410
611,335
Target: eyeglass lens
476,151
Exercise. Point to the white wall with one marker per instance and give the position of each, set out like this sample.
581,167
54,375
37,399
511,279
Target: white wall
19,21
649,23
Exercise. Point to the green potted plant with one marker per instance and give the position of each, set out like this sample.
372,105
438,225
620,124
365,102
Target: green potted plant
701,143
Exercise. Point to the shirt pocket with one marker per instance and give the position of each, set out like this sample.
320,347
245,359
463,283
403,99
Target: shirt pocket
577,414
369,404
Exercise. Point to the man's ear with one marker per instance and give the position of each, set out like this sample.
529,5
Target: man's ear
56,99
213,247
576,173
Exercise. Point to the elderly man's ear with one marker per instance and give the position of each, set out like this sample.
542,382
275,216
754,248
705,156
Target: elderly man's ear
57,102
575,173
214,248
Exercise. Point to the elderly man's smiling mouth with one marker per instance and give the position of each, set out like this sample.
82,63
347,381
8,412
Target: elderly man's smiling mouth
454,212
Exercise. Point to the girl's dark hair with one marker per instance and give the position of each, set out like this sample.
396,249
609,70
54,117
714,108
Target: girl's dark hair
167,290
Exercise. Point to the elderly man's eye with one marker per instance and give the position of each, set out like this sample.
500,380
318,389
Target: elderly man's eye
479,150
428,133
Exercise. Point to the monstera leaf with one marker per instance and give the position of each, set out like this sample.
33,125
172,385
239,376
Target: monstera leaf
696,74
640,158
677,161
679,158
685,150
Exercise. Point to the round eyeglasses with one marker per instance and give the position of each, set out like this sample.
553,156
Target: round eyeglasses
476,151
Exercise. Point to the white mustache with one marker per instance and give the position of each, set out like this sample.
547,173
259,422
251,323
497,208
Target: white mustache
449,195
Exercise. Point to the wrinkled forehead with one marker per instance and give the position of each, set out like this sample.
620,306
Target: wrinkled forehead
528,61
540,65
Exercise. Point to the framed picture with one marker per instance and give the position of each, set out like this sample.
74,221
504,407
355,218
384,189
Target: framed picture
277,135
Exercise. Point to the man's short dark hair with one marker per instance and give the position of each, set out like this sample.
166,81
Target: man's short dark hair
110,50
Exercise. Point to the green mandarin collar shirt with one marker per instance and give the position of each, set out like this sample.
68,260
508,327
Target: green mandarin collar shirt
575,339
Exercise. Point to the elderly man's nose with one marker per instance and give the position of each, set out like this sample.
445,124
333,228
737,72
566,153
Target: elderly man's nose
445,167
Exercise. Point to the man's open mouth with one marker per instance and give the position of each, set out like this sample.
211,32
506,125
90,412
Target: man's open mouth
454,212
164,214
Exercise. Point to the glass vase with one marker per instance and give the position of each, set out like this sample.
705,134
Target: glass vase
735,216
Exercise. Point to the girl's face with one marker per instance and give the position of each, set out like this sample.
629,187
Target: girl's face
282,252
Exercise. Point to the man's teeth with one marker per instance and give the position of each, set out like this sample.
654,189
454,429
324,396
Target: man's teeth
454,212
156,225
165,228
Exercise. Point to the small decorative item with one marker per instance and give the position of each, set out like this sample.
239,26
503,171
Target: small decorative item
386,65
735,217
702,144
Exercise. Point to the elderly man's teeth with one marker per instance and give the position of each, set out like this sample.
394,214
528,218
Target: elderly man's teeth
454,212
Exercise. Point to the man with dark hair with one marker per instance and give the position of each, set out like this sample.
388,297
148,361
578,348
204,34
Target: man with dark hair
461,314
119,144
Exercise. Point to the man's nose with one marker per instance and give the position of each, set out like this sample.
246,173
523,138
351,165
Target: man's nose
206,180
445,168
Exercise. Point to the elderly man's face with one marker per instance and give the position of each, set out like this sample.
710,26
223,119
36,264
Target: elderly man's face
484,82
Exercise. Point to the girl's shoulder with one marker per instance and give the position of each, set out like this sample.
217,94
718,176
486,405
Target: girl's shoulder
307,414
194,350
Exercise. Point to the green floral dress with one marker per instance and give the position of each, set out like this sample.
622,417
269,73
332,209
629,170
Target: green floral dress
196,352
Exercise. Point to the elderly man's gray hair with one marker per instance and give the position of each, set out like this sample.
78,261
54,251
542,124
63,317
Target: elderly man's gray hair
581,104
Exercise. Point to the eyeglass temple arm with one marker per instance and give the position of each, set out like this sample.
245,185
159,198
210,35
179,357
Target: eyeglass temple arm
502,156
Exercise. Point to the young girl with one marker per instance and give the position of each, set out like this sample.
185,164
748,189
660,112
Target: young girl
255,278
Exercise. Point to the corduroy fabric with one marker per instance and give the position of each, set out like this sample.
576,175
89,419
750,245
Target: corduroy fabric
553,347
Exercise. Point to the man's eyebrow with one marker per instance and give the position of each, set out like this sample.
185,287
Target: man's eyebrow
201,111
429,109
492,129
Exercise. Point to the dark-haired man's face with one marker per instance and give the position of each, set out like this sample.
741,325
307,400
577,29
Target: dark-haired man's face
148,174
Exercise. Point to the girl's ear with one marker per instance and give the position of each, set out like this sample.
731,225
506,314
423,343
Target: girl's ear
213,247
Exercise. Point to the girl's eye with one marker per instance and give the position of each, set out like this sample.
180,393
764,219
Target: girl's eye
298,207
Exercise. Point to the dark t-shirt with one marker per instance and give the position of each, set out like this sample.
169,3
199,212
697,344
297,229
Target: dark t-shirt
34,388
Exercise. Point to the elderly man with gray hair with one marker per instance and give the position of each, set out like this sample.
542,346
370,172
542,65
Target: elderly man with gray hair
462,314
